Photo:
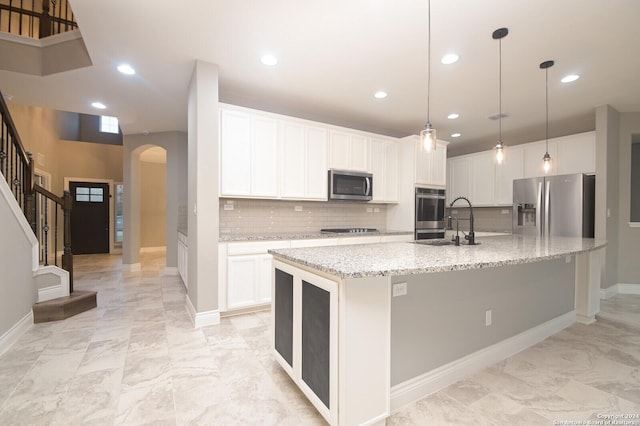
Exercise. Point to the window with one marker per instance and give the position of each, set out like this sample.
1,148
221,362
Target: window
119,228
109,124
90,195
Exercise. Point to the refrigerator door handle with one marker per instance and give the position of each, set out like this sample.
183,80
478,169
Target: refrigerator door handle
547,200
539,223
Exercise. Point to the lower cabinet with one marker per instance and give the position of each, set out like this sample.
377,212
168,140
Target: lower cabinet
305,311
249,280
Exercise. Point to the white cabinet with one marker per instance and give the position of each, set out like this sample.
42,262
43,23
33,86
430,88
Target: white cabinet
576,154
183,259
248,154
348,151
507,172
459,178
249,280
384,167
304,161
430,167
483,171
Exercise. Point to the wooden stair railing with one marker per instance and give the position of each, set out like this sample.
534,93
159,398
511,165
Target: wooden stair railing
36,18
18,168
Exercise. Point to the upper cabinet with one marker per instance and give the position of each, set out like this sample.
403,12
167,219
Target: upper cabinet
430,167
348,151
488,184
384,167
304,161
249,154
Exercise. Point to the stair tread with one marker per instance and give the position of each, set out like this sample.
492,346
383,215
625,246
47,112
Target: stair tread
64,307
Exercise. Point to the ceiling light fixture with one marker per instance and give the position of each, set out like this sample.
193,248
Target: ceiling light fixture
269,60
126,69
546,159
453,116
450,58
428,134
569,78
380,94
98,105
499,149
456,135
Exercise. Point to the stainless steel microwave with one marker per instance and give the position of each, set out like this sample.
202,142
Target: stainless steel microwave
350,185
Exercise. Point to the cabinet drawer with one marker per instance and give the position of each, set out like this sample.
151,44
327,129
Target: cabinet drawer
255,247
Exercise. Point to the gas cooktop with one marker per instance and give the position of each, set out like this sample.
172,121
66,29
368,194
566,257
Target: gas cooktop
349,230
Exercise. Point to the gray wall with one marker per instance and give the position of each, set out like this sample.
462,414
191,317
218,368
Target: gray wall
17,287
153,204
629,238
635,179
442,317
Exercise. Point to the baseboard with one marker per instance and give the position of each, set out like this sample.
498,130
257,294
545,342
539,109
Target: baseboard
620,288
171,270
53,292
434,380
13,334
152,249
131,267
201,319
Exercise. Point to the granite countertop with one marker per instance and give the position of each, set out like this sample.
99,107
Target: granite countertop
366,260
302,235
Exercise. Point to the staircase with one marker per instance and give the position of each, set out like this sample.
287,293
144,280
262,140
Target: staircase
46,214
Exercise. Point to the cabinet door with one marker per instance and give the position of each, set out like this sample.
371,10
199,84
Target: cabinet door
294,160
378,166
235,153
316,164
243,273
512,168
390,173
283,316
339,151
264,278
576,154
359,153
264,157
439,165
482,179
459,178
422,165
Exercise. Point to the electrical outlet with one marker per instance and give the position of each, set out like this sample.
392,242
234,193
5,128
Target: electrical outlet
369,209
376,210
228,206
487,317
505,211
298,208
567,259
399,289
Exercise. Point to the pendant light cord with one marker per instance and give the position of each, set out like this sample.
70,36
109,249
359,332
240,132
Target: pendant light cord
428,58
500,94
546,85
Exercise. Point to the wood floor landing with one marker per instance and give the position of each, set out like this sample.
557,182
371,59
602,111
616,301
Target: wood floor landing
64,307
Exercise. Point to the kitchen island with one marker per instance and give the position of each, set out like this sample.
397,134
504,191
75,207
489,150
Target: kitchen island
366,329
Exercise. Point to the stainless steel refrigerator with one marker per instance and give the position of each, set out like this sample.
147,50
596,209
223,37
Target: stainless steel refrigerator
561,205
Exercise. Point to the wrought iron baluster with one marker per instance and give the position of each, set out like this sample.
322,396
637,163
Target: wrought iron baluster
55,242
46,231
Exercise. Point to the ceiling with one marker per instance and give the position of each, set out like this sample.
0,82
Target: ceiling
334,54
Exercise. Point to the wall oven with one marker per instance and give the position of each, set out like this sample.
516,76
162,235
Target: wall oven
430,217
350,185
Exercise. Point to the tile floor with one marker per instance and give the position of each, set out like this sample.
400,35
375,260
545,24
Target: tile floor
136,360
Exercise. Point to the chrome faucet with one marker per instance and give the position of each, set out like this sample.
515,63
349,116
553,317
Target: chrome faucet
471,236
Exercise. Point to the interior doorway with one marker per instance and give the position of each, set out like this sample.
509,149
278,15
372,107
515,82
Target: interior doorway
89,217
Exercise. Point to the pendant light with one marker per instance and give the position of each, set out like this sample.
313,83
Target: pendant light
546,159
499,149
428,134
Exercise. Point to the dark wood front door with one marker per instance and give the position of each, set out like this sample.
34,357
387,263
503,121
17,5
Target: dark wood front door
89,217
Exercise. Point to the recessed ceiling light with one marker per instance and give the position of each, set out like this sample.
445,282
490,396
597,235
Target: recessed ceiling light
269,60
456,135
569,78
380,94
450,58
98,105
453,116
126,69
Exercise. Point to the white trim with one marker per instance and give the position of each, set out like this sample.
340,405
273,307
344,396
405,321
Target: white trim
13,334
171,270
112,203
201,319
45,42
619,288
53,292
153,249
131,267
634,224
22,221
434,380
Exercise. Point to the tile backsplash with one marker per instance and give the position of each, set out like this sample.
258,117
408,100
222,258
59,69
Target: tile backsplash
241,216
488,219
